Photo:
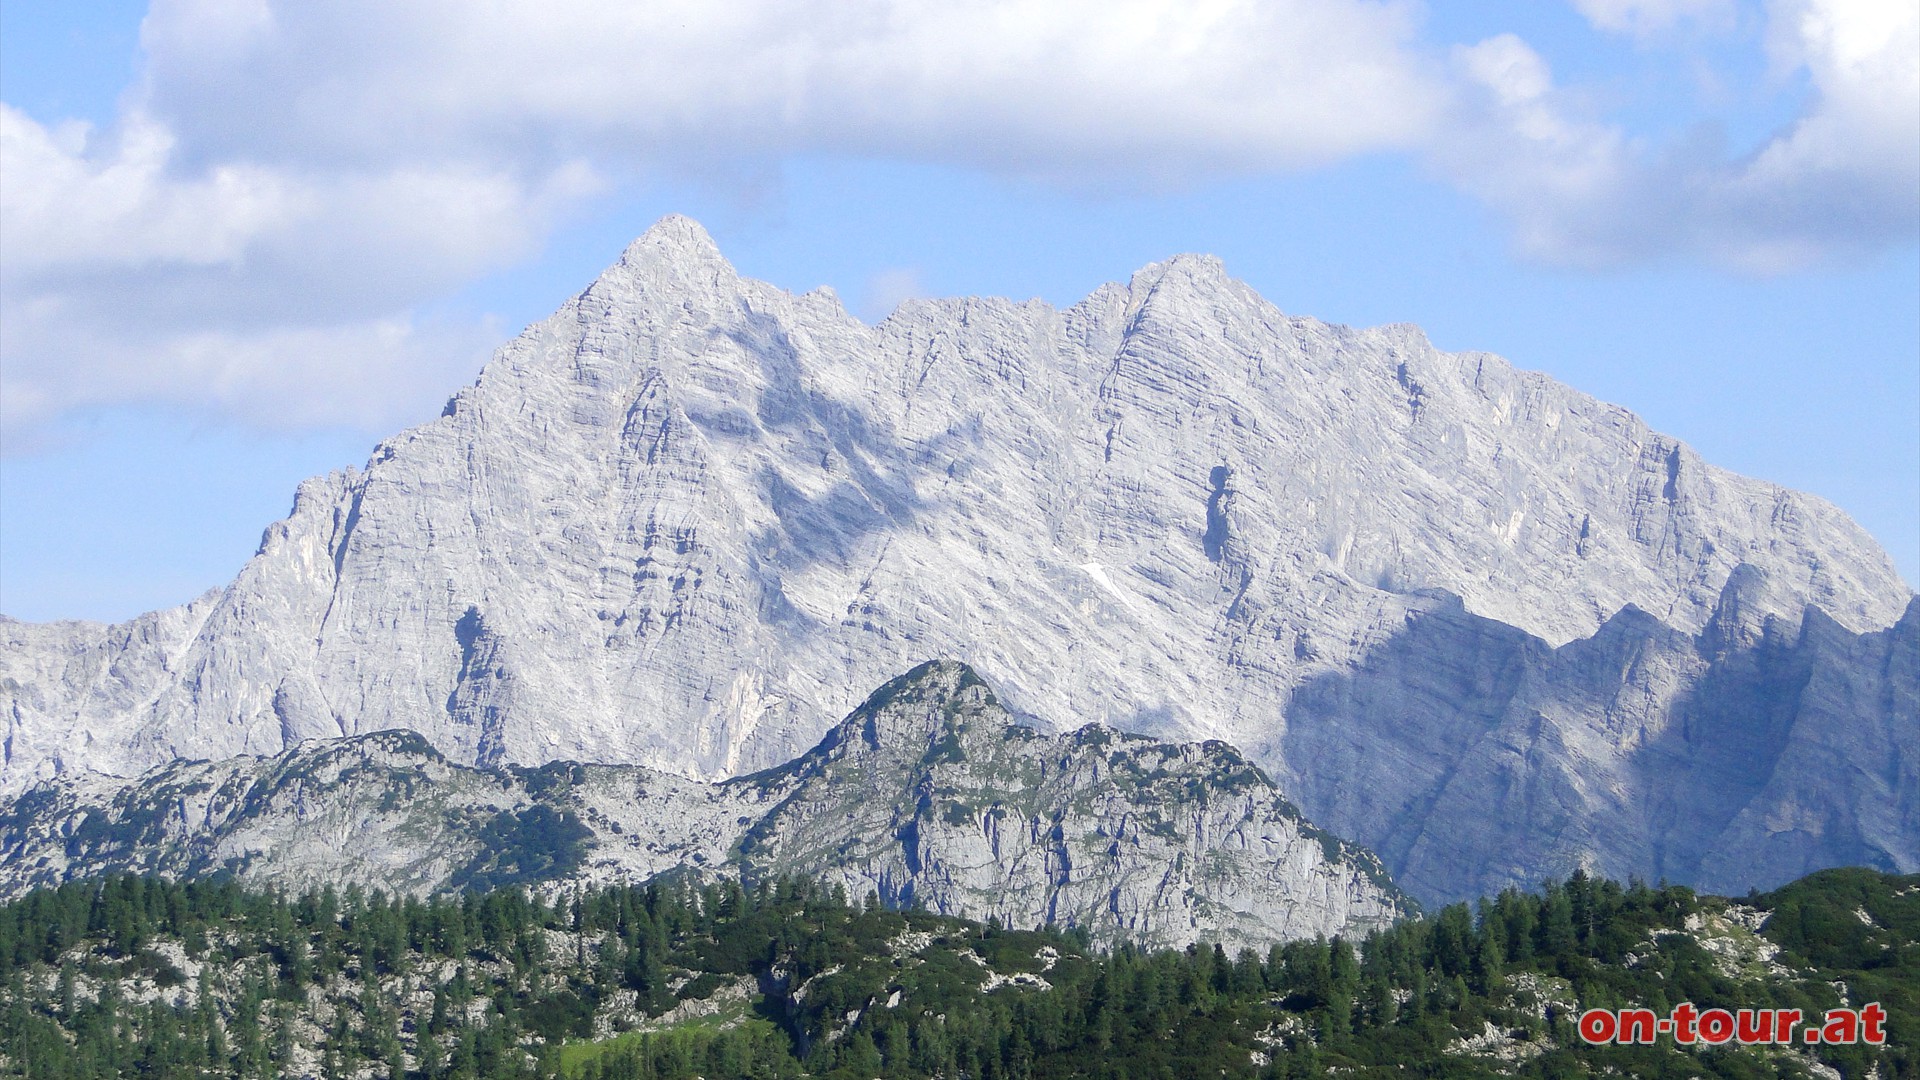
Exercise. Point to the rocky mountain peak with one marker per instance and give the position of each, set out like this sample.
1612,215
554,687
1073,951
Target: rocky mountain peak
672,273
1195,272
684,521
1091,830
921,706
676,239
928,786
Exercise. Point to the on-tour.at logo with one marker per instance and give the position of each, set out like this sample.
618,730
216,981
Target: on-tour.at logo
1687,1025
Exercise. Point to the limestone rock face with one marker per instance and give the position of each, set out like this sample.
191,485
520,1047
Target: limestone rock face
967,814
929,794
1748,755
688,519
382,810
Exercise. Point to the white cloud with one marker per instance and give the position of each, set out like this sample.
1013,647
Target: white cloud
60,210
1127,85
278,295
1843,177
78,205
1864,61
302,177
374,375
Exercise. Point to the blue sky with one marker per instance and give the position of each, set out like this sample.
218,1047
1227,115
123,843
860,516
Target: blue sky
241,241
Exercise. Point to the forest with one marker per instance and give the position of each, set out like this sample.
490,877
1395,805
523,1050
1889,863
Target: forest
143,977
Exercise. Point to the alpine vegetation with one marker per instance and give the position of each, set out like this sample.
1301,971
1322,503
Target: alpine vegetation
784,980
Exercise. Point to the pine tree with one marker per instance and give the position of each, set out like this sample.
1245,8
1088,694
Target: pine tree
1487,961
1557,938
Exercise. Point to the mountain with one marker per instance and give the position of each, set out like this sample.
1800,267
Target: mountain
927,795
1472,755
688,519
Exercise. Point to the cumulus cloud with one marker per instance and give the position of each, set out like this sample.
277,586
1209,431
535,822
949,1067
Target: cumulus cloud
1843,177
1140,86
290,182
373,375
63,212
279,295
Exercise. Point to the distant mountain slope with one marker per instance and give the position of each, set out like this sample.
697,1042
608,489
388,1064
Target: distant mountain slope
1472,755
685,521
927,794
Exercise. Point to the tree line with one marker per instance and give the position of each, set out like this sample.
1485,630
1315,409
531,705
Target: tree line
133,976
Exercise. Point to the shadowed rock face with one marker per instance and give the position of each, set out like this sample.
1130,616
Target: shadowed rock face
686,520
928,794
1745,756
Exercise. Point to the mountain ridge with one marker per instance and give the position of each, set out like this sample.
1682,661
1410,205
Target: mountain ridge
681,522
929,795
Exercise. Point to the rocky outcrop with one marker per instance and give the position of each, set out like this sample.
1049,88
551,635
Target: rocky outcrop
929,794
684,522
383,810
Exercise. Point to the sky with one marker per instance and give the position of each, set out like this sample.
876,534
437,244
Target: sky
241,241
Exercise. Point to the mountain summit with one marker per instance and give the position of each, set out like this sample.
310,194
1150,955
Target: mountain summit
928,795
1460,612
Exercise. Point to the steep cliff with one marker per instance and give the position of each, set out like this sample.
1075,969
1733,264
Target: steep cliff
929,794
685,521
